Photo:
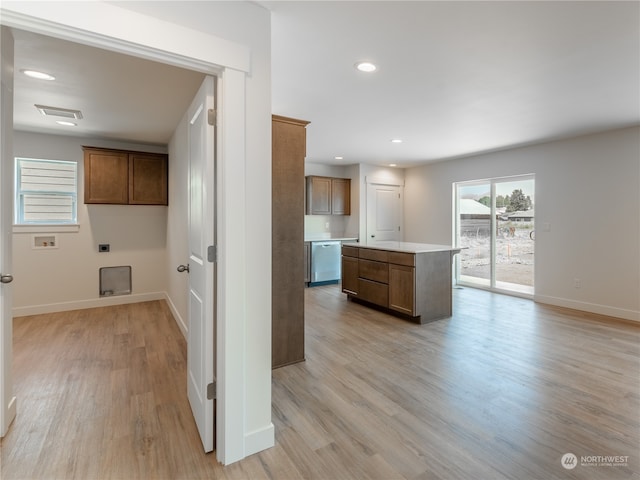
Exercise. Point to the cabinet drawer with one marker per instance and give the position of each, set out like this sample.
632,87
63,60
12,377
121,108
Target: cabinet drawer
376,271
348,251
371,254
373,292
399,258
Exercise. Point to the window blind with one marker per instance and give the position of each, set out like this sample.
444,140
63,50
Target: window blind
46,191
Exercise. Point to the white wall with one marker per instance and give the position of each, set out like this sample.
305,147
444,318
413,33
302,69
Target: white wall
66,277
586,190
352,223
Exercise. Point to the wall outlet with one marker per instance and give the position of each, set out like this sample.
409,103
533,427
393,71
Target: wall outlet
104,247
326,225
577,283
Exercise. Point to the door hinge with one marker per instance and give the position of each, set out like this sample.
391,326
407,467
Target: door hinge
212,254
212,117
211,391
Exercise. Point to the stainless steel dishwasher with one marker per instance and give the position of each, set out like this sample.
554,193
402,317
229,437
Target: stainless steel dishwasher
325,262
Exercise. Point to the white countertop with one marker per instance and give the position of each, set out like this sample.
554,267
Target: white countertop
321,238
406,247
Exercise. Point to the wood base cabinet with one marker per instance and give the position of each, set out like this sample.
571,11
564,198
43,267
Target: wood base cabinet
288,247
415,285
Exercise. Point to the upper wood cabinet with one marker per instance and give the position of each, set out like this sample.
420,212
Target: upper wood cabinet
148,179
340,196
123,177
328,195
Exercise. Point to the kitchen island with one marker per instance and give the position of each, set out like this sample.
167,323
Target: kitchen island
412,280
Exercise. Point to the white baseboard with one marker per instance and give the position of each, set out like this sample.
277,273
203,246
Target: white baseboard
82,304
9,417
633,315
176,315
259,440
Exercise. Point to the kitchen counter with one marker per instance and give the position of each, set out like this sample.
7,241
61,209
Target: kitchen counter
320,238
412,280
407,247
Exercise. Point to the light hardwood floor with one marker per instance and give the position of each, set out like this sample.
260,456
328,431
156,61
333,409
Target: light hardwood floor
500,391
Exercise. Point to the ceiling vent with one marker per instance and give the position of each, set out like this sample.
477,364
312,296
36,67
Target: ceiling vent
59,112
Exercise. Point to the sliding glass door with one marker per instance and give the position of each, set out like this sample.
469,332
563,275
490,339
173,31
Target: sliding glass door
495,228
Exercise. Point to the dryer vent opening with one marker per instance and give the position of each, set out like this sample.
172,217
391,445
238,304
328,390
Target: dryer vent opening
115,281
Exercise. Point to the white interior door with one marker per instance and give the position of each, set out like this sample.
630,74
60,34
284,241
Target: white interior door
201,267
7,399
384,212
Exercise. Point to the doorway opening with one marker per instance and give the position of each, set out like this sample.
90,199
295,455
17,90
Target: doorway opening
207,210
495,227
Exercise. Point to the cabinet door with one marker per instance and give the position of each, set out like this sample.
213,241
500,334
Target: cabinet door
341,196
148,179
106,176
402,288
318,196
350,275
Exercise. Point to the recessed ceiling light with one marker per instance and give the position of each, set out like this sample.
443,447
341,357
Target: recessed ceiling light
367,67
338,158
396,140
38,75
393,165
66,124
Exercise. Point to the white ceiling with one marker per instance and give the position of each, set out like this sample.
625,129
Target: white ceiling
120,97
454,78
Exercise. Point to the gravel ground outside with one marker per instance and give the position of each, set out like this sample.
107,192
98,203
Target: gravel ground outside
514,256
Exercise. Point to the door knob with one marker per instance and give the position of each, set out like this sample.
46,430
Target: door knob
6,278
183,268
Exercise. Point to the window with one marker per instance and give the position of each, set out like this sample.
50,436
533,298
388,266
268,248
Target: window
46,192
495,225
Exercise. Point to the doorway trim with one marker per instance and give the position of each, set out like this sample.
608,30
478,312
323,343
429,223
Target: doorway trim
100,25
